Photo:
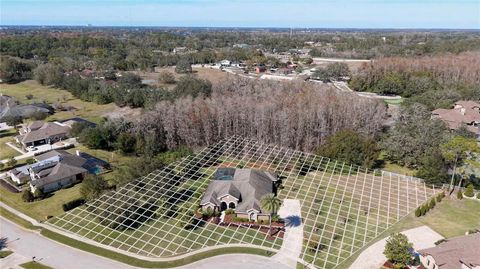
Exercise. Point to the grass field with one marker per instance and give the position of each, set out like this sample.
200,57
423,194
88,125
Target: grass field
7,152
5,253
86,110
449,218
344,207
34,265
38,210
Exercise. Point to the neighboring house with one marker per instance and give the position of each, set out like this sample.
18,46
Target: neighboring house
71,121
464,113
241,190
11,108
39,133
457,253
57,168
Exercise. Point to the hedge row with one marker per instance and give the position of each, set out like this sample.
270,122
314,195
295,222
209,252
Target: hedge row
72,204
423,209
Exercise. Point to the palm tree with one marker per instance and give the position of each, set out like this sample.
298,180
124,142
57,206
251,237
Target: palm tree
270,203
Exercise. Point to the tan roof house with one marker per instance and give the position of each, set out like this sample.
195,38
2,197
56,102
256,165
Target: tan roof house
461,252
239,189
39,133
463,113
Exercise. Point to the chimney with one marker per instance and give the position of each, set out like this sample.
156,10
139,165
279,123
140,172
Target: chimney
77,152
462,111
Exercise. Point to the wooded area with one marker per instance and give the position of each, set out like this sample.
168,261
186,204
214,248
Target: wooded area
296,115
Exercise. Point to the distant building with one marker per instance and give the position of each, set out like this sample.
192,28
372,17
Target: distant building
457,253
463,114
225,63
241,46
180,50
240,190
39,133
260,69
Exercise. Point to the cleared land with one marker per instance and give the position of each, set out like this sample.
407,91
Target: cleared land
87,110
344,206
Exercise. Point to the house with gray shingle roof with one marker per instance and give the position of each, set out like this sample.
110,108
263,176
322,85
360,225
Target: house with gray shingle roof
56,169
40,133
240,190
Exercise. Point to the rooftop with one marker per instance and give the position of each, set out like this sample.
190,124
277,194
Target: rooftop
452,253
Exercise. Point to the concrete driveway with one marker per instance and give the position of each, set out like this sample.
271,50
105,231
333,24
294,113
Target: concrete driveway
372,258
291,248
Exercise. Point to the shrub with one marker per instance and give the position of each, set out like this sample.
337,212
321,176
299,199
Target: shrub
38,193
2,165
478,195
418,212
229,211
432,203
27,196
459,195
12,162
29,96
238,219
30,161
208,213
440,197
469,191
72,204
166,77
424,209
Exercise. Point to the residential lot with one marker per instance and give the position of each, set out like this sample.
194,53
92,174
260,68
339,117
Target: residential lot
73,107
343,207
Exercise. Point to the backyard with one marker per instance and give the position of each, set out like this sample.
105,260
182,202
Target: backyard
344,207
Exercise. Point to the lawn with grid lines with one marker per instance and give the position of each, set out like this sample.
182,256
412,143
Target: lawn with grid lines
343,206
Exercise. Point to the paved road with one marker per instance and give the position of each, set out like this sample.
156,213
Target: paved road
60,256
50,252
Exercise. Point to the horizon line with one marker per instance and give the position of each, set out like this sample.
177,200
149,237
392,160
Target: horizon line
244,27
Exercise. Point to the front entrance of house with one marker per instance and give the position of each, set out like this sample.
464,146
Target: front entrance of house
252,216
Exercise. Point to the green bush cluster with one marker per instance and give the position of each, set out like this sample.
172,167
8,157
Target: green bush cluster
469,191
239,219
229,211
72,204
459,195
423,209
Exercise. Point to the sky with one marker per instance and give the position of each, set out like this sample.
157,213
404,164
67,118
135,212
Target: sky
450,14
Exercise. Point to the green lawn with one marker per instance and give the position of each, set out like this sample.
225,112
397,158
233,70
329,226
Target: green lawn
453,217
7,152
5,253
51,206
450,218
393,101
35,265
395,168
86,110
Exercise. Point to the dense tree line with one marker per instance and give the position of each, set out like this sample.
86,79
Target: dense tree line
295,115
433,81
